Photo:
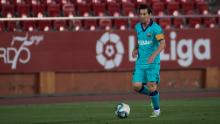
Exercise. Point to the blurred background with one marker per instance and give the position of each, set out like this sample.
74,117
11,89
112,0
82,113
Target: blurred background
83,47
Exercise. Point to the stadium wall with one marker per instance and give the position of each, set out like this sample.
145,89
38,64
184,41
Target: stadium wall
100,62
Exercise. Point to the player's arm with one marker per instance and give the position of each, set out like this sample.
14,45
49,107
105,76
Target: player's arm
159,49
135,50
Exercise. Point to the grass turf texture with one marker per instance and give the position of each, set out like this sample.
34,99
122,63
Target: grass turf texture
196,111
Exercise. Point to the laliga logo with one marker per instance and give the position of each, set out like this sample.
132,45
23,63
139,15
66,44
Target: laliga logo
12,55
109,50
199,48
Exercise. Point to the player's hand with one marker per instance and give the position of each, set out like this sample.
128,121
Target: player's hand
134,53
151,59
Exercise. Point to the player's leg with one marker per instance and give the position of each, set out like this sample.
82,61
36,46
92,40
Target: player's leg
154,94
137,82
153,77
140,88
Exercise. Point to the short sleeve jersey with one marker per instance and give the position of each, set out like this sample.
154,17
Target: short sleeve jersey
148,42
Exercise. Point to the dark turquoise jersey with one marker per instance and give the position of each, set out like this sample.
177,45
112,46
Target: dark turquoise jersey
148,42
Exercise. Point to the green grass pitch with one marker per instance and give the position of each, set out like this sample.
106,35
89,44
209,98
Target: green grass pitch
191,111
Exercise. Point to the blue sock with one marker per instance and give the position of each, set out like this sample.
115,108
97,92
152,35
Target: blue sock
155,98
144,90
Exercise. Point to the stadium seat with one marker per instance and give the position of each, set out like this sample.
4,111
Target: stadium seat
68,10
105,24
90,24
44,25
113,9
202,6
28,25
0,6
23,10
165,23
128,8
11,26
98,9
60,25
152,2
38,9
53,10
75,25
187,6
84,9
158,8
172,7
133,22
194,22
209,22
7,10
2,26
178,22
218,18
121,24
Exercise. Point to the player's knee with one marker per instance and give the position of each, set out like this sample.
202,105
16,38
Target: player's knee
152,87
137,86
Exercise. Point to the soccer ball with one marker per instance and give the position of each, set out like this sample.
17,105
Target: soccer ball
122,110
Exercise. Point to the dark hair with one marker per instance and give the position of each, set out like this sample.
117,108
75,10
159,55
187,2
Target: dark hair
144,6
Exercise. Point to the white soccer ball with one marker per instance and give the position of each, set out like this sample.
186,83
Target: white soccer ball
122,110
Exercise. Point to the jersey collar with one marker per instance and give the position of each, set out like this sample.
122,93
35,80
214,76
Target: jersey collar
144,29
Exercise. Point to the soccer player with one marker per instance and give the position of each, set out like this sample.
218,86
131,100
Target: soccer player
150,42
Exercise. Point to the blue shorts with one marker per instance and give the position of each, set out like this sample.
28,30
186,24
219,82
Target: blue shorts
149,74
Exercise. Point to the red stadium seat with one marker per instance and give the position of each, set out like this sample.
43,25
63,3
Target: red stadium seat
172,7
187,6
98,9
165,23
202,6
128,8
105,24
28,25
8,9
153,1
68,10
53,10
121,24
75,25
158,8
44,25
2,26
113,9
0,6
139,2
38,9
84,9
90,24
23,9
44,2
28,2
209,22
218,18
178,22
133,23
194,22
60,25
11,26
